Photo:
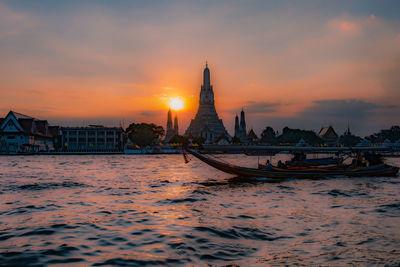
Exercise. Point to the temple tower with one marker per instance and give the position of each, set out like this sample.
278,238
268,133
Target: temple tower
242,123
171,129
169,120
237,127
242,133
176,129
206,123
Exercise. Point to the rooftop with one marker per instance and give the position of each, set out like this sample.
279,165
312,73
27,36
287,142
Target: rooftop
20,115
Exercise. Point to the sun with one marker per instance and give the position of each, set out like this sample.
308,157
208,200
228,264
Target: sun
176,103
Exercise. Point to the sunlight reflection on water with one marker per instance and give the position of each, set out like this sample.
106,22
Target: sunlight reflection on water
156,210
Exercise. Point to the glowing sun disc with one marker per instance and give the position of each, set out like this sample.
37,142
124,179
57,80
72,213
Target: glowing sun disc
176,103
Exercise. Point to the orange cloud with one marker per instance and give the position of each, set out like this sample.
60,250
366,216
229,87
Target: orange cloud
347,26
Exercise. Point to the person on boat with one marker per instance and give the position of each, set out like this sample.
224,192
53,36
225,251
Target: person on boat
353,164
281,165
268,165
373,158
299,156
356,162
360,160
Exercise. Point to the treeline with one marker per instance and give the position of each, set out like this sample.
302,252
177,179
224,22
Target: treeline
392,134
293,136
289,137
149,134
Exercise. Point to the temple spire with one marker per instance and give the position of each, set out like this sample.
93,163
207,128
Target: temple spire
242,128
206,77
348,128
242,121
237,127
172,130
176,124
206,93
169,120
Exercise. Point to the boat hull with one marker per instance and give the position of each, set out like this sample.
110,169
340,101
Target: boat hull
316,162
276,173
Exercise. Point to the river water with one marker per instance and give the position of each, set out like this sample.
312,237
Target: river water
157,210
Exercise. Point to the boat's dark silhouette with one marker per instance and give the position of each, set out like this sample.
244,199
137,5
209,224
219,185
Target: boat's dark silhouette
278,173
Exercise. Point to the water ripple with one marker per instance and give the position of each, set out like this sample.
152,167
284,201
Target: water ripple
144,210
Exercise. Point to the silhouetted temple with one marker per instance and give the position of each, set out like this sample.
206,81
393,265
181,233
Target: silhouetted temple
329,136
240,129
206,123
171,130
252,137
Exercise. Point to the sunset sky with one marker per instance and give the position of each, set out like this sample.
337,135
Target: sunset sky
302,64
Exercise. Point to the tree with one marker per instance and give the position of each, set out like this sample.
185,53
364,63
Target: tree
268,136
393,134
144,134
349,139
293,136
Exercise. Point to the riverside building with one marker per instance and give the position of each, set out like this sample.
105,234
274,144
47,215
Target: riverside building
95,138
21,133
329,136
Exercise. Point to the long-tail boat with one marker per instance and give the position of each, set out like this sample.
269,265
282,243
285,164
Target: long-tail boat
277,173
316,162
304,168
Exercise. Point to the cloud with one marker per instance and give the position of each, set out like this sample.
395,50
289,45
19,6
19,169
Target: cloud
256,108
390,79
150,113
340,109
103,59
253,107
348,26
364,117
12,23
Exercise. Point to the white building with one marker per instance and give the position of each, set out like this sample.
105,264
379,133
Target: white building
20,133
95,138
